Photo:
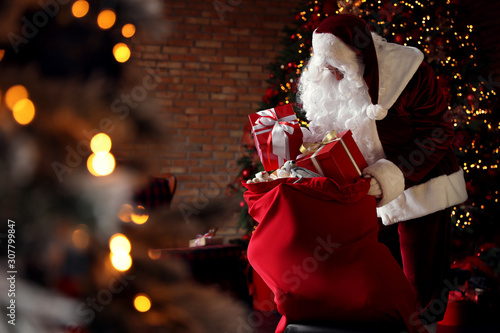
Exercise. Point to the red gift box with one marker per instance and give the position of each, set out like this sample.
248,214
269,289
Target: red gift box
338,158
277,136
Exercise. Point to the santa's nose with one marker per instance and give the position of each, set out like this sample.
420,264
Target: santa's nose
335,71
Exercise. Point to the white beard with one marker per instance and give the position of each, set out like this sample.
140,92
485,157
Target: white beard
338,105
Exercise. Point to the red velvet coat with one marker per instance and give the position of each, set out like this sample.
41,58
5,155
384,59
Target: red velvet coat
417,132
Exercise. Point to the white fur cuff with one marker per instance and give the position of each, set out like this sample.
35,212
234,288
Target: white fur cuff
426,198
390,178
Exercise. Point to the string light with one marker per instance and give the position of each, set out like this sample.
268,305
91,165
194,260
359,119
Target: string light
120,248
101,162
106,19
15,94
142,303
139,215
128,30
80,8
121,52
24,111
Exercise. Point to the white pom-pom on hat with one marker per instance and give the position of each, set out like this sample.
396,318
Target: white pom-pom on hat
376,112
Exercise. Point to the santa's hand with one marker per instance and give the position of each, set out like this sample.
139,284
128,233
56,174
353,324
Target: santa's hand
375,189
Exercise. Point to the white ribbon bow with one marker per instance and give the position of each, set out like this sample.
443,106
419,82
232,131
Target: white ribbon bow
278,135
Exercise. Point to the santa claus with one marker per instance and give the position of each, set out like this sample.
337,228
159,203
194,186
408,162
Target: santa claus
389,98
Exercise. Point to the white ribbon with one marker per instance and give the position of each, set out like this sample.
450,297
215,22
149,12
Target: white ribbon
280,128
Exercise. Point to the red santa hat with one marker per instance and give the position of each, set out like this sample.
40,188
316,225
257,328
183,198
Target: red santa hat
338,31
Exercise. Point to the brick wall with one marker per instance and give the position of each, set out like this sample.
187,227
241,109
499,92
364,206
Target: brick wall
212,66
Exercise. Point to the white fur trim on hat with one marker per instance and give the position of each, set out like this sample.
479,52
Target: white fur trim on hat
424,199
376,111
331,47
390,178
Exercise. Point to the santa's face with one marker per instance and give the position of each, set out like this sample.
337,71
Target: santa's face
333,94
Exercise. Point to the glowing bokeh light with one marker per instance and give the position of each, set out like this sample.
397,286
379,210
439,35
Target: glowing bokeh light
124,214
119,243
15,94
128,30
142,303
100,143
80,8
101,164
24,111
154,254
106,19
121,261
81,237
121,52
139,215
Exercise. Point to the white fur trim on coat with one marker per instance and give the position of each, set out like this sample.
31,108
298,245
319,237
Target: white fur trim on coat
427,198
390,178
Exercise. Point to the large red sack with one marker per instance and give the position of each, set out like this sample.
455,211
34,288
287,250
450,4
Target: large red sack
316,247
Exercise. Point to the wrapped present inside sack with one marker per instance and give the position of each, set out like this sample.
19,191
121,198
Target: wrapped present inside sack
277,136
336,157
207,239
316,247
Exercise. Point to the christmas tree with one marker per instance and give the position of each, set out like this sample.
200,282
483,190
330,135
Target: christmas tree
437,29
76,247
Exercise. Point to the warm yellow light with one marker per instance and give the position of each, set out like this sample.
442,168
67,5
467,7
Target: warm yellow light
121,261
100,143
106,19
15,94
80,8
119,243
154,254
128,30
101,164
142,303
80,237
139,216
121,52
124,214
24,111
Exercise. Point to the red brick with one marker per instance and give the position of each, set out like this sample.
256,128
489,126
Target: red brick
201,126
195,81
199,139
175,50
235,90
208,43
222,82
214,147
183,57
202,170
209,89
200,154
183,103
203,111
236,60
197,20
223,97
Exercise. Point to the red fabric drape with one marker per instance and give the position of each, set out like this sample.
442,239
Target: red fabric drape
316,247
